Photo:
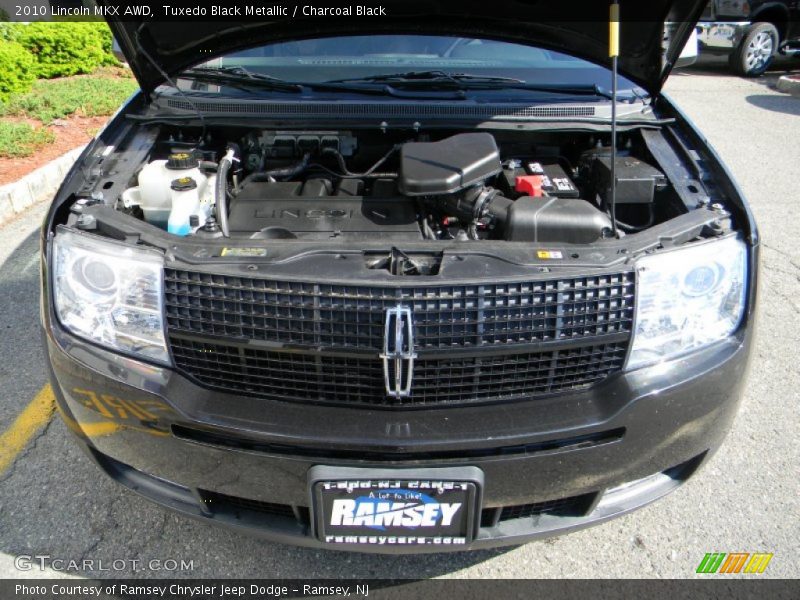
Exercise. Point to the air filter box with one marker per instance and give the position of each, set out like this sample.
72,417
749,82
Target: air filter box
449,165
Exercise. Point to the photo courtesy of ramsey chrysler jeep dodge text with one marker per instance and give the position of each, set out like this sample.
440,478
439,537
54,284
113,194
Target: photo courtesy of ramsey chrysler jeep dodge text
388,285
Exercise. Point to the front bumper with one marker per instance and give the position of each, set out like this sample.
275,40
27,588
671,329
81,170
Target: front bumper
244,462
721,35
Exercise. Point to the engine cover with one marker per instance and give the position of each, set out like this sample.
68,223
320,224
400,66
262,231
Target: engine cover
282,210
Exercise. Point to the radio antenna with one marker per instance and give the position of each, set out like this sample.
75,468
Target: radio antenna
613,52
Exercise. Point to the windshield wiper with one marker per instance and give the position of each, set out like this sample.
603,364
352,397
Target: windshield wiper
240,77
430,77
401,85
589,89
465,81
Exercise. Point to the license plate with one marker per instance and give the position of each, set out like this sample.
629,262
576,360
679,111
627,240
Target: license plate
395,507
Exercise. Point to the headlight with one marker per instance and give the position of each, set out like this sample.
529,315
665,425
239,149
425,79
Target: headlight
687,299
110,293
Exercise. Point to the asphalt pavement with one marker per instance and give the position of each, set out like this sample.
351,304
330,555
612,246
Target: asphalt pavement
54,502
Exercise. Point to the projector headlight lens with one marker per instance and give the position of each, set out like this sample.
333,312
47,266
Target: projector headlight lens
688,298
110,293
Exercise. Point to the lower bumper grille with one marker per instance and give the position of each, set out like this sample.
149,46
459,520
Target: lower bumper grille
575,506
345,380
216,503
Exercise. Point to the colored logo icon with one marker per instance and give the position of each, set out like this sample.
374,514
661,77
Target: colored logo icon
734,562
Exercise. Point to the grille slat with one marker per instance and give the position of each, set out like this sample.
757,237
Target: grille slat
523,339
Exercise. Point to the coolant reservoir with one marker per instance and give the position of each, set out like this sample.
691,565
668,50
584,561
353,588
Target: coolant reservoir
173,194
191,204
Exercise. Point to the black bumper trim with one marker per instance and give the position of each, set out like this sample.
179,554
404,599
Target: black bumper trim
529,524
237,442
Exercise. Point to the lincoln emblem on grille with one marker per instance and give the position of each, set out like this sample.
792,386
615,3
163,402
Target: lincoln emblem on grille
398,352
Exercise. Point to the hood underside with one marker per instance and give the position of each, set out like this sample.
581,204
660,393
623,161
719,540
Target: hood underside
576,27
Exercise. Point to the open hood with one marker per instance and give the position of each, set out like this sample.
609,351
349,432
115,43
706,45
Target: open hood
577,27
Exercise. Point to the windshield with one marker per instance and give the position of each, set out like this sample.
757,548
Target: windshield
363,57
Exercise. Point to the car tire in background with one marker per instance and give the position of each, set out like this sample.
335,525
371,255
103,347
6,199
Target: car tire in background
758,48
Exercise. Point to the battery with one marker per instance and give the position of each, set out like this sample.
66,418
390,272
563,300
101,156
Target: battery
554,179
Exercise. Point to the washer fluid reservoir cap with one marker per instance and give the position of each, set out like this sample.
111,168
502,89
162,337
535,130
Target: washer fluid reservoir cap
182,160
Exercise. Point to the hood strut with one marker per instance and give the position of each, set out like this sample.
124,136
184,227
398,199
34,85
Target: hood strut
613,52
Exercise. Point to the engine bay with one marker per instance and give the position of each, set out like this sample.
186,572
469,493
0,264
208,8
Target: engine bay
400,198
328,185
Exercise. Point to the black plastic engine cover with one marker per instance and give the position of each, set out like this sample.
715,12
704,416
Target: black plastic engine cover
287,210
449,165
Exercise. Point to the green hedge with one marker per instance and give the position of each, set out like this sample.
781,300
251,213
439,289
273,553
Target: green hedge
9,32
88,96
62,49
17,69
21,139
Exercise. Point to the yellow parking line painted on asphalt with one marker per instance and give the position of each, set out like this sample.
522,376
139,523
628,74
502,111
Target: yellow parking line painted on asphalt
89,429
35,416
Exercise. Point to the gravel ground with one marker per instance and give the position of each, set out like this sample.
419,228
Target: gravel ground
53,501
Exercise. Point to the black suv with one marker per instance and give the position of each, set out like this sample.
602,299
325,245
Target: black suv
750,32
386,284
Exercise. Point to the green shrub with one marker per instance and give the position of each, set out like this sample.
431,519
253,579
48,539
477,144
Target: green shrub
17,69
88,96
9,32
62,49
21,139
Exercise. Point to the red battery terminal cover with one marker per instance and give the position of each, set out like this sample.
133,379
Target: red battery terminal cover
530,185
